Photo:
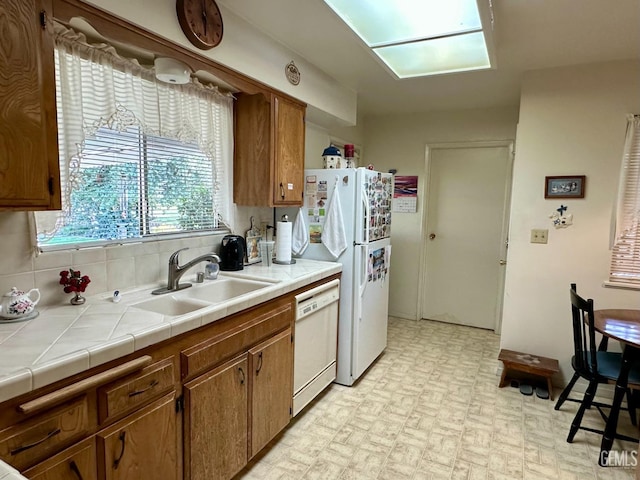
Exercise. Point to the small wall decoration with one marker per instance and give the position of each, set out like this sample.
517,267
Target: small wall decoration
560,219
292,73
570,186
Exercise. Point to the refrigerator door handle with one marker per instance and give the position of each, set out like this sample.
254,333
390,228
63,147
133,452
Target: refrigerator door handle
367,215
362,282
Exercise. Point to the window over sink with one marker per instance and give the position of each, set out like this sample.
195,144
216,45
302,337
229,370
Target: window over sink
139,158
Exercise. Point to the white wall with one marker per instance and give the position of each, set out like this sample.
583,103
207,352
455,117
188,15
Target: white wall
400,142
248,51
317,138
572,122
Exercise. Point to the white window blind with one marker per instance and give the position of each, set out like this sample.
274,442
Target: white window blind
625,256
139,158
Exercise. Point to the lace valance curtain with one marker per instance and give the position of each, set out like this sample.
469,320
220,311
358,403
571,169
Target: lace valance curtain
98,88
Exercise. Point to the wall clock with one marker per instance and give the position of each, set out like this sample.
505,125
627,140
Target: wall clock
201,22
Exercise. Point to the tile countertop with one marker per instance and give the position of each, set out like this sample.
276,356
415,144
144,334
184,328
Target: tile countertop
64,340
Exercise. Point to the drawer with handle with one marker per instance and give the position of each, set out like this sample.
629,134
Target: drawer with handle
75,463
28,442
134,391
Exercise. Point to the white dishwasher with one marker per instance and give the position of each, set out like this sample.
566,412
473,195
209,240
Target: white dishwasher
316,342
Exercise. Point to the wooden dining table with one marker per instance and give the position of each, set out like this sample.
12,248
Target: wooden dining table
622,325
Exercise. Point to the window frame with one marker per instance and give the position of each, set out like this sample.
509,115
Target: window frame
625,249
214,126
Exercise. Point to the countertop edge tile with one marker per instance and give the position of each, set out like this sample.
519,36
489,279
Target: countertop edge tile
60,368
111,350
183,325
16,384
6,470
15,475
151,335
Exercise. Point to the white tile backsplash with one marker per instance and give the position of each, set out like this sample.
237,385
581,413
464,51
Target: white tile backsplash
24,281
121,274
89,255
60,260
119,267
116,267
147,268
19,258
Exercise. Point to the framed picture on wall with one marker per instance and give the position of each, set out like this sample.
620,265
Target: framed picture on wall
568,186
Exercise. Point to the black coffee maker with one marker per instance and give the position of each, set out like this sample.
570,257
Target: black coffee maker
232,253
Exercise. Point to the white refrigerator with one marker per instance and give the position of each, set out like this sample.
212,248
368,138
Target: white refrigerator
365,199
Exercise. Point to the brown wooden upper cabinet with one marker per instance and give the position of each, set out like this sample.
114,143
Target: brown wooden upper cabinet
268,166
29,169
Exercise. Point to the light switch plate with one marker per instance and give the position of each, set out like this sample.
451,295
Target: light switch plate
539,235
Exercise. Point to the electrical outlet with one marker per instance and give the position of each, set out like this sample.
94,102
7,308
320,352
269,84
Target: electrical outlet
539,235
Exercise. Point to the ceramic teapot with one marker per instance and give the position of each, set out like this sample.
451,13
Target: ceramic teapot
16,304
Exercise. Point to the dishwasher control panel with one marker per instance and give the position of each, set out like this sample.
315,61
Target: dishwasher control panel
317,298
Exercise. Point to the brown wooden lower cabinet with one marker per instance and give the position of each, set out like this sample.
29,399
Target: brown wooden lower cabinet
271,365
218,422
142,445
215,422
75,463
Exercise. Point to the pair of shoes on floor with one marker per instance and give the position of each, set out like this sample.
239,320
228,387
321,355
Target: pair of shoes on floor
526,389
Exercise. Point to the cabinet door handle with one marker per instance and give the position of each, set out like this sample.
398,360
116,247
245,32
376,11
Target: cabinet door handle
116,462
74,468
141,391
241,375
49,435
259,363
282,190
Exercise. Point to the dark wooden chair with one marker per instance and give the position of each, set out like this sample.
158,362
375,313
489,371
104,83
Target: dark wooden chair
596,365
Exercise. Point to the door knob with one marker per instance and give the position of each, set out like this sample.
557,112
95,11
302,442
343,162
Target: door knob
503,262
432,236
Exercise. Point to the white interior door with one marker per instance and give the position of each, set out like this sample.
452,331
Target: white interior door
466,234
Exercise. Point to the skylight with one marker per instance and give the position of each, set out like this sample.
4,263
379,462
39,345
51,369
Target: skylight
419,37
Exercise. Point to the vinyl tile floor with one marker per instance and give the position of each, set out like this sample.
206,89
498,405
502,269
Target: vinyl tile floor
430,408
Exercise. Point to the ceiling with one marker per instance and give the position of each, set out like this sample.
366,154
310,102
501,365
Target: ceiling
528,34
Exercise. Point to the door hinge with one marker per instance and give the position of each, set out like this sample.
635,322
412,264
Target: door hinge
292,338
290,411
43,19
50,185
180,404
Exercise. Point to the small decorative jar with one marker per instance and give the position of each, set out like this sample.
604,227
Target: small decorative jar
331,158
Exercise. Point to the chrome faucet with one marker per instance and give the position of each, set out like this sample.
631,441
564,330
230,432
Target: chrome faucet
176,271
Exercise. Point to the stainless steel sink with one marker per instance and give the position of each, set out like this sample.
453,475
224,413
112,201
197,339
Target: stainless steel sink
222,289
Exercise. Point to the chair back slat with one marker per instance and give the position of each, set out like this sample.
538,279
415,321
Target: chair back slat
584,334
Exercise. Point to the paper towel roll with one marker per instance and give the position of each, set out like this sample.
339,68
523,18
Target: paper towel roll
283,242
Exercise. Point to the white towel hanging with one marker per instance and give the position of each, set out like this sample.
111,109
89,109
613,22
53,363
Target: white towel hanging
334,238
300,234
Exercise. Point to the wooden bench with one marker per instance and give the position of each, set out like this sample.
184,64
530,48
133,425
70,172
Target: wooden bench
528,364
